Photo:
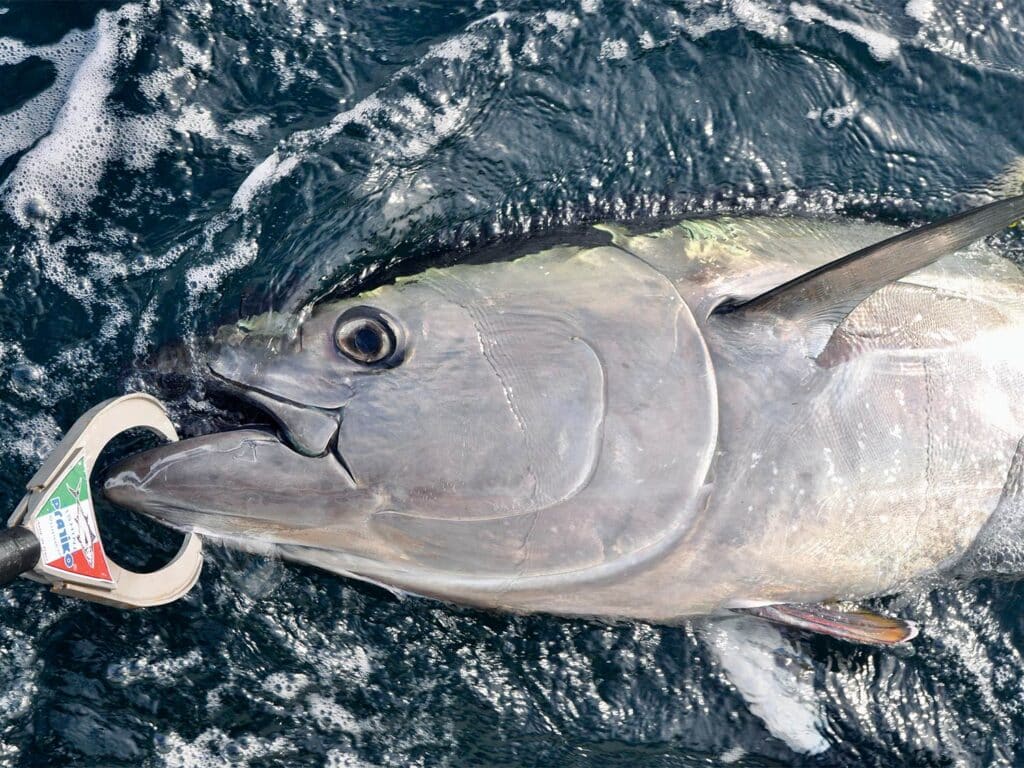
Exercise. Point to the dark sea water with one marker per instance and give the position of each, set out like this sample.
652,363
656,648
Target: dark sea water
168,166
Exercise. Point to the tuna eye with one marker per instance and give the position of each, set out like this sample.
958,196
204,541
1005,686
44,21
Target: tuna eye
365,336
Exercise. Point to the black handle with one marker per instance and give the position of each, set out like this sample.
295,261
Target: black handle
19,552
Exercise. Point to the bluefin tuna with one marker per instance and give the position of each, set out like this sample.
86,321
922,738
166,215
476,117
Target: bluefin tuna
766,415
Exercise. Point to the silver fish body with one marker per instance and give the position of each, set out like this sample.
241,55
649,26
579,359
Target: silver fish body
578,432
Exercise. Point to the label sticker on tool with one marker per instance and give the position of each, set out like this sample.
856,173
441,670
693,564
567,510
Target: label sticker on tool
67,531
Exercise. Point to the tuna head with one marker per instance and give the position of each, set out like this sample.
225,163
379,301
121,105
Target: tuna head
556,413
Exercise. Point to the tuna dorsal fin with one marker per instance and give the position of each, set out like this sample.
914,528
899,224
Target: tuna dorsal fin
826,295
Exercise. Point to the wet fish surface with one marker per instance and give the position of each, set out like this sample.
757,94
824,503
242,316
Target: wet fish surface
168,168
602,432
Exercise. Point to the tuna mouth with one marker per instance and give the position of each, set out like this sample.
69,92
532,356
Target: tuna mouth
232,410
180,374
306,429
256,462
259,465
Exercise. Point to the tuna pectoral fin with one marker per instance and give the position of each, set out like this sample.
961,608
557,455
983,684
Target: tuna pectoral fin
853,626
826,295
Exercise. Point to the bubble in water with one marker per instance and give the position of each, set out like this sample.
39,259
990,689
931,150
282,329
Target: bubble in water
35,439
25,377
286,686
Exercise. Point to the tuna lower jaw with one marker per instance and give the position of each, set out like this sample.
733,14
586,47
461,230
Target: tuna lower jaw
232,483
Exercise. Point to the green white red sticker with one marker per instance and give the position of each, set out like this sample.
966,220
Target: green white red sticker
67,531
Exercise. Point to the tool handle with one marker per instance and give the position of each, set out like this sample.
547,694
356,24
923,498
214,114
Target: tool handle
19,552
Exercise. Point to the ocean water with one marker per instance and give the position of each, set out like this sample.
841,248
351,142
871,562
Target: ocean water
168,166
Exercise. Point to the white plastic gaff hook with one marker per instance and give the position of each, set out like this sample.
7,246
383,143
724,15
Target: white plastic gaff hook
64,548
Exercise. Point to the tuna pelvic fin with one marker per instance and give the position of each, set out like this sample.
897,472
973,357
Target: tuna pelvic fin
857,626
828,294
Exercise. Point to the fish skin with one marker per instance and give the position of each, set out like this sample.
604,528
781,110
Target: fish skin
793,479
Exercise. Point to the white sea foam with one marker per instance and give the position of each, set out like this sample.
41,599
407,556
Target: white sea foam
286,685
328,714
921,10
296,9
20,128
269,172
158,668
194,57
427,126
215,749
198,120
336,758
881,45
250,127
458,48
285,72
732,755
699,29
51,260
19,673
562,22
33,440
116,319
145,136
207,277
758,18
61,173
144,327
276,167
422,128
614,49
749,14
47,382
